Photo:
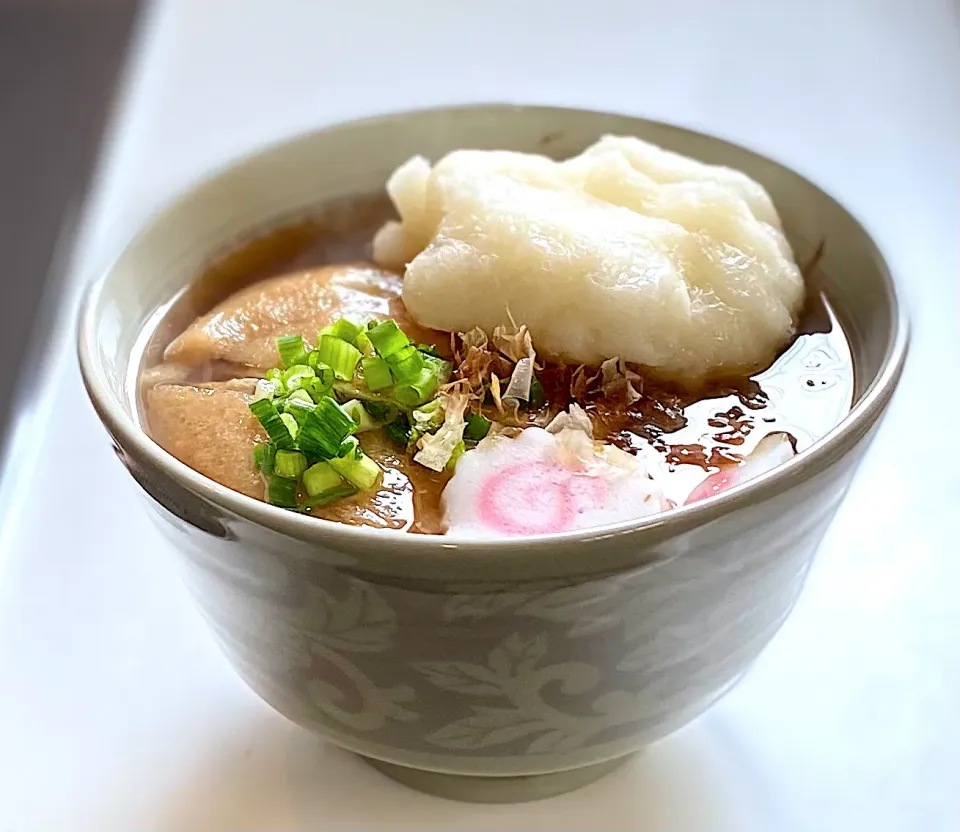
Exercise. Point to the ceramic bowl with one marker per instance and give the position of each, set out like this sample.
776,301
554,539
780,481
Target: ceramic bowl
491,670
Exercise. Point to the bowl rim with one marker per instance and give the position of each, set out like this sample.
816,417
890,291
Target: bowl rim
825,452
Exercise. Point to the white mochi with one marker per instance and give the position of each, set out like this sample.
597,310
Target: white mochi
625,251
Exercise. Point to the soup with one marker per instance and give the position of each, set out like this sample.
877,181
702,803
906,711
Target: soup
480,432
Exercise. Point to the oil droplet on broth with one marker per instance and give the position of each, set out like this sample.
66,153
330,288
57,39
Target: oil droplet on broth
808,390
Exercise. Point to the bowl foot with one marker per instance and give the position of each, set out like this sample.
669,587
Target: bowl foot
496,789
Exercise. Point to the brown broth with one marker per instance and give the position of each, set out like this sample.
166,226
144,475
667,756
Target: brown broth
687,434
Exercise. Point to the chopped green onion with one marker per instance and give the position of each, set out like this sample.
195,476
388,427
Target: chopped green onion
314,388
273,376
298,408
363,344
381,411
417,391
442,368
273,423
458,452
293,377
321,384
356,411
349,448
291,424
432,411
426,418
324,497
282,492
340,355
428,349
406,363
289,464
376,372
292,350
319,478
398,431
362,471
343,391
436,449
313,360
265,389
477,427
300,395
537,395
325,428
346,330
387,338
264,454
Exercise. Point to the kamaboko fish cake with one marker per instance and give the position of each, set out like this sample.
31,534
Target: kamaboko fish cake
538,482
626,250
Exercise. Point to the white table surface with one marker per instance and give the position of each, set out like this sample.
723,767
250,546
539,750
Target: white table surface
117,712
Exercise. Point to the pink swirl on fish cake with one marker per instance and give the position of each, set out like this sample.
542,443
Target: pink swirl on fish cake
537,498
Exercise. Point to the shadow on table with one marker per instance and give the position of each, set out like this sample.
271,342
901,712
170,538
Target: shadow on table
685,784
60,61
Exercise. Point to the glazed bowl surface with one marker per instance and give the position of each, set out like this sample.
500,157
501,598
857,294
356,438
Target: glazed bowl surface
485,670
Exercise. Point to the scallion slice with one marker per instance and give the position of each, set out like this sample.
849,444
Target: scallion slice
325,429
417,391
428,349
298,408
406,363
293,377
265,389
356,411
398,431
291,424
376,372
282,492
336,493
381,411
300,395
477,427
264,454
387,338
346,330
273,376
289,464
273,423
442,368
538,396
432,412
458,452
321,384
339,355
343,391
320,478
362,471
349,448
362,343
292,350
313,360
426,419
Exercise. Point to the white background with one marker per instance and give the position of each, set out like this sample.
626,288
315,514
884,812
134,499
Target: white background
116,710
